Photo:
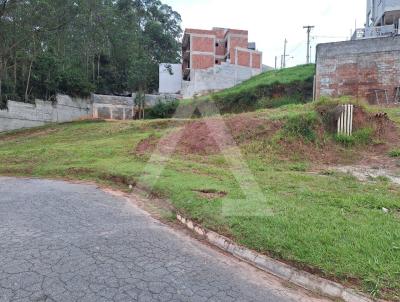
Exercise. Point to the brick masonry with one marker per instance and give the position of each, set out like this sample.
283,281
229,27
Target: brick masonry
364,69
203,49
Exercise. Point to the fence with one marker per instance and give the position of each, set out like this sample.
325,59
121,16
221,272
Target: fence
345,121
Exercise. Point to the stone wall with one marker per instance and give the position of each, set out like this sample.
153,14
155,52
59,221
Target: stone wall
365,69
24,115
217,78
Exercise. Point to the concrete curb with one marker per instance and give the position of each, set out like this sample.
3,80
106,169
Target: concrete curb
277,268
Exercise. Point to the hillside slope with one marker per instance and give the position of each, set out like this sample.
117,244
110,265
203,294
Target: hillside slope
268,90
299,209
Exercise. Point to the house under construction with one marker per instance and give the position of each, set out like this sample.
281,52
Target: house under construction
212,60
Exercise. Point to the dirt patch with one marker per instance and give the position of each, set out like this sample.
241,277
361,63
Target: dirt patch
147,145
210,193
79,171
366,173
210,136
118,179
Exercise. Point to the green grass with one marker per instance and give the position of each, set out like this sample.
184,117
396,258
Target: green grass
282,76
271,89
332,222
394,153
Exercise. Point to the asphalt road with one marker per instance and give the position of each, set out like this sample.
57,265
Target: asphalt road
70,242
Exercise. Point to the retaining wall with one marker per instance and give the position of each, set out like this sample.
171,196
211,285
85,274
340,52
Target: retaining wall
364,69
66,109
24,115
216,78
123,108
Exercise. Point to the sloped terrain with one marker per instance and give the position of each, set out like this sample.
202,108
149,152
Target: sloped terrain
309,214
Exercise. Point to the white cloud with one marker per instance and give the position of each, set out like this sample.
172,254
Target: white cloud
270,21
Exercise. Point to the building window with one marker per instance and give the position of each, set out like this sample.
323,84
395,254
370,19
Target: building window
217,44
216,62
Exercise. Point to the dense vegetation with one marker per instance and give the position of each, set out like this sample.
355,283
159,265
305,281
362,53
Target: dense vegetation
80,46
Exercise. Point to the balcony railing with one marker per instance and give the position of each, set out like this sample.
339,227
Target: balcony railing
375,32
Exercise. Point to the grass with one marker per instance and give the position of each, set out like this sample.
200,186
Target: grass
330,223
271,89
394,153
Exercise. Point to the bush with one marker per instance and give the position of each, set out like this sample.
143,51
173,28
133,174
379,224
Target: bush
302,125
163,110
360,137
394,153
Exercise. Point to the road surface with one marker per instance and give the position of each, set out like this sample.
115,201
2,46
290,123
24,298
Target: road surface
73,242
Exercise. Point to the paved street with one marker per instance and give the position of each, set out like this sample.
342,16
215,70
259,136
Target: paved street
69,242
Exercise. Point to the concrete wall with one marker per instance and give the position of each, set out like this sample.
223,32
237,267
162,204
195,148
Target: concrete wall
123,108
359,68
170,83
23,115
217,78
377,9
113,107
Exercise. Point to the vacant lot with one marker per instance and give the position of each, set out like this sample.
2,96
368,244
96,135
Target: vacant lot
309,215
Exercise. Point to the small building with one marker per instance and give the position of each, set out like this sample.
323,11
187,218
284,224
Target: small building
212,60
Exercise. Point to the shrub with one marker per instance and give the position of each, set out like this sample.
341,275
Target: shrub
394,153
302,125
163,110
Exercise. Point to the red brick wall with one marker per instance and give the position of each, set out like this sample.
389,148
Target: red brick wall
243,58
202,44
256,60
202,61
242,42
357,68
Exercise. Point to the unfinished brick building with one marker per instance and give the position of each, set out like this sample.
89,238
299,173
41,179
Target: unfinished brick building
367,69
203,49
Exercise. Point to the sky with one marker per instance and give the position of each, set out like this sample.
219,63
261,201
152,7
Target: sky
269,22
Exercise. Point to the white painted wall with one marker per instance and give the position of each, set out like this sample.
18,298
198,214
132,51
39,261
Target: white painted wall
170,83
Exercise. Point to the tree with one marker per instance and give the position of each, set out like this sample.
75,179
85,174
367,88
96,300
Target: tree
82,46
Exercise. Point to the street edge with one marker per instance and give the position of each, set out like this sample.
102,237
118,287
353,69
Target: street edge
281,270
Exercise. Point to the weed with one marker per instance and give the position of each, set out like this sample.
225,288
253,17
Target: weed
302,125
360,137
394,153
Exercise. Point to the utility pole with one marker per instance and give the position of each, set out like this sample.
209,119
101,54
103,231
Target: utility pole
284,54
309,29
276,62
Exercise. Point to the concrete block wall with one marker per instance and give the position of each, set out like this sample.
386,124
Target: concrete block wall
217,78
124,108
363,69
113,107
23,115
